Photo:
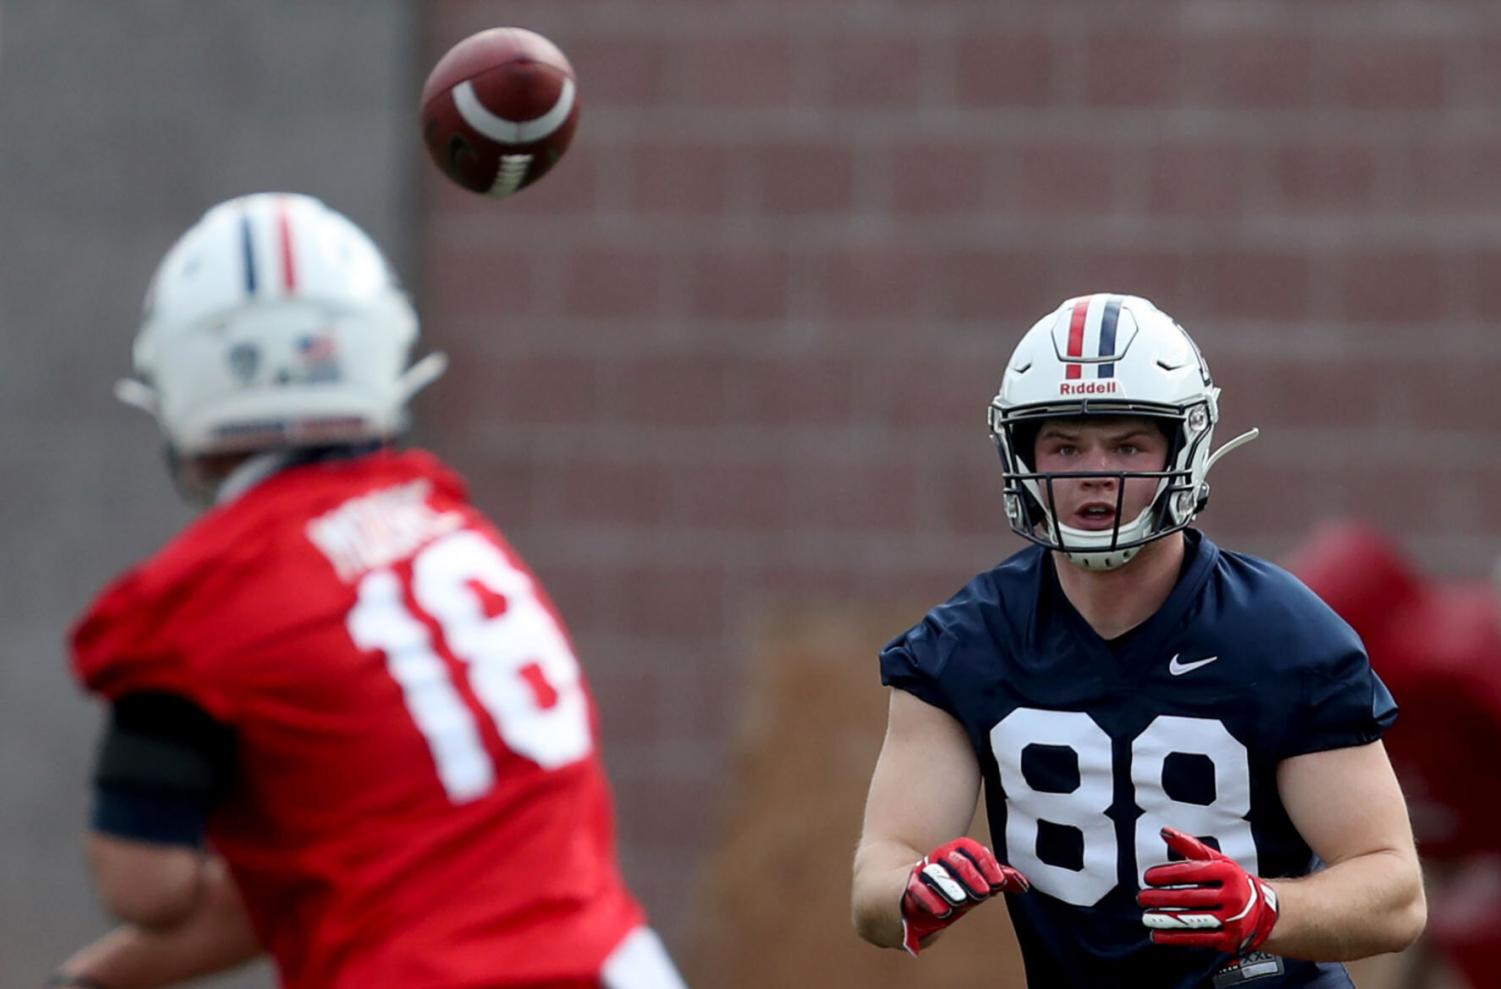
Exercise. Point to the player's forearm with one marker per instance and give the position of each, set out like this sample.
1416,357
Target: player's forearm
881,870
1367,905
131,957
215,936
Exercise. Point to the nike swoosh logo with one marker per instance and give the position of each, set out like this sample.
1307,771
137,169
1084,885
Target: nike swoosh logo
1177,669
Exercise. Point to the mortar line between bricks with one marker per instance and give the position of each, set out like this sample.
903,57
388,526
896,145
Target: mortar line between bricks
801,446
1335,235
687,20
823,338
1008,127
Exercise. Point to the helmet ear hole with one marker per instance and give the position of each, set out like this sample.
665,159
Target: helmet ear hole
1013,507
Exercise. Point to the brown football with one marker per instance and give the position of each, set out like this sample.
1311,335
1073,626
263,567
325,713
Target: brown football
499,109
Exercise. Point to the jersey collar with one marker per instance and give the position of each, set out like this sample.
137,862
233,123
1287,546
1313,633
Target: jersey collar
261,466
1147,638
250,473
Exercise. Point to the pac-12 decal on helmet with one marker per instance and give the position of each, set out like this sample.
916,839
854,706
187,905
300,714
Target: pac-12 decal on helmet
1107,355
275,322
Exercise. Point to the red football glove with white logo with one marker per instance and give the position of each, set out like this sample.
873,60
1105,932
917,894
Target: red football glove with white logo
947,883
1208,901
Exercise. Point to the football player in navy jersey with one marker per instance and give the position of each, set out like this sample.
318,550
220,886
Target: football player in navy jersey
1180,745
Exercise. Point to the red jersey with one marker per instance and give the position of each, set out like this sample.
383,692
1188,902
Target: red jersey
1438,648
420,801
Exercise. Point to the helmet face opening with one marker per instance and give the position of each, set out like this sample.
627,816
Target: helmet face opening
1032,508
1096,358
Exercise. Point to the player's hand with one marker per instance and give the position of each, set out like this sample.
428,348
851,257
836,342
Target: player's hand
1208,901
947,883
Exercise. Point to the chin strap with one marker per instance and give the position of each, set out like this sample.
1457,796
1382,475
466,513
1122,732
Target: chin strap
1103,559
1239,441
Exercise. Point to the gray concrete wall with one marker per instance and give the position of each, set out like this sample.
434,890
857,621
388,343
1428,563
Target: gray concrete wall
119,123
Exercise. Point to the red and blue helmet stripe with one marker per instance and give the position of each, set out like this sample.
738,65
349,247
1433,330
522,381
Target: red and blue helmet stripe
284,244
1104,333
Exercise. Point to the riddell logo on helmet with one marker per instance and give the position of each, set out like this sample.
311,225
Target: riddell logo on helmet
1106,387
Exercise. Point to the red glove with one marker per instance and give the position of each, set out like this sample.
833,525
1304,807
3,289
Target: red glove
1208,901
947,883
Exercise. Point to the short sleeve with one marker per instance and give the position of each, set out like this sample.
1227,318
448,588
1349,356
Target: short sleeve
130,641
913,662
1345,704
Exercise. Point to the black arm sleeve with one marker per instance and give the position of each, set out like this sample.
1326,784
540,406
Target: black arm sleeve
163,764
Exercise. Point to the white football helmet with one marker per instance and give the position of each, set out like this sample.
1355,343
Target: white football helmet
275,322
1107,355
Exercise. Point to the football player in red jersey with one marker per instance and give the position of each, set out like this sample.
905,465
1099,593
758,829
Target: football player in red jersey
347,727
1438,644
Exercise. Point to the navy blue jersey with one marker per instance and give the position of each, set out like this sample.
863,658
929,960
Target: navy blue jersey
1090,747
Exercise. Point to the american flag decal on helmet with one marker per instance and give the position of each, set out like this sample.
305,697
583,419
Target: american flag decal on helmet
1091,335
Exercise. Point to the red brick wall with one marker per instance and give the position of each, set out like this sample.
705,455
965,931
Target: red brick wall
731,358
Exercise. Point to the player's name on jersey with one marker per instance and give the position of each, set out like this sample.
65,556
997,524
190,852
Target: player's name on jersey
380,528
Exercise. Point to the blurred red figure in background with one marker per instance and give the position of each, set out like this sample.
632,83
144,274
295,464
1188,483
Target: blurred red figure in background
1437,645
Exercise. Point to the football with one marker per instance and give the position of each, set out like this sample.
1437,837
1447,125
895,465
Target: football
499,109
